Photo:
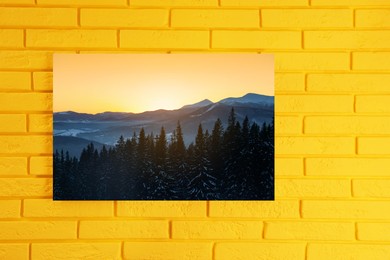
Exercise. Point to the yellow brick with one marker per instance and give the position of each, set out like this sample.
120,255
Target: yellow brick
288,125
48,251
15,80
261,3
288,167
309,230
373,145
12,123
43,80
38,230
374,231
40,123
350,2
372,61
255,209
14,2
315,145
25,144
41,165
217,229
313,103
13,165
124,229
26,101
215,18
306,188
72,38
347,251
250,250
373,103
306,18
372,18
348,166
311,61
144,39
11,38
84,2
371,188
50,208
346,39
174,3
14,251
348,82
124,17
9,209
29,17
25,187
161,208
256,40
289,82
345,209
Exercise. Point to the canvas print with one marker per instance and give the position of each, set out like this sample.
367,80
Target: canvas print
163,127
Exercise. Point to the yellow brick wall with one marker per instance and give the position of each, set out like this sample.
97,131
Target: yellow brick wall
332,130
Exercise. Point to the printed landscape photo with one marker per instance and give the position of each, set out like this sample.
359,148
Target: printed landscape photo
163,127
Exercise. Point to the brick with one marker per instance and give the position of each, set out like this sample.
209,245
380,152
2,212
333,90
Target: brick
255,209
13,230
14,2
373,231
256,40
261,3
161,208
167,250
26,60
83,2
350,3
11,38
145,39
13,165
33,17
289,82
347,166
310,230
25,144
315,145
9,209
348,82
288,167
373,103
90,250
43,80
311,61
346,39
14,251
347,251
373,145
372,18
12,123
373,61
25,101
72,38
15,80
217,229
25,187
124,18
250,250
41,165
174,3
40,123
215,18
314,188
306,18
288,125
50,208
345,209
371,188
314,103
347,125
124,229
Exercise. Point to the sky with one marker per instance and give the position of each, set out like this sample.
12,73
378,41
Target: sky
95,83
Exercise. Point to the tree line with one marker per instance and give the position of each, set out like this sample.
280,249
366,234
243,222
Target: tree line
236,163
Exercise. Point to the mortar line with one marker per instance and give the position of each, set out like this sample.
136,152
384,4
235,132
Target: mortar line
170,18
213,251
351,183
118,38
354,18
128,2
210,39
32,80
356,231
22,207
78,17
78,229
123,249
306,250
25,38
260,19
304,166
208,208
302,40
300,209
351,61
170,229
30,247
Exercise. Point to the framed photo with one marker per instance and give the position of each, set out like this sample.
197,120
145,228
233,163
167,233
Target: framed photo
163,127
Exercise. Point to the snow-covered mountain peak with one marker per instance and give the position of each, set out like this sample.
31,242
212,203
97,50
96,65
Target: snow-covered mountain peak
202,103
249,98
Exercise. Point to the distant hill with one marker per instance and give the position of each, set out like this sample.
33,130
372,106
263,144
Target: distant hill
74,145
